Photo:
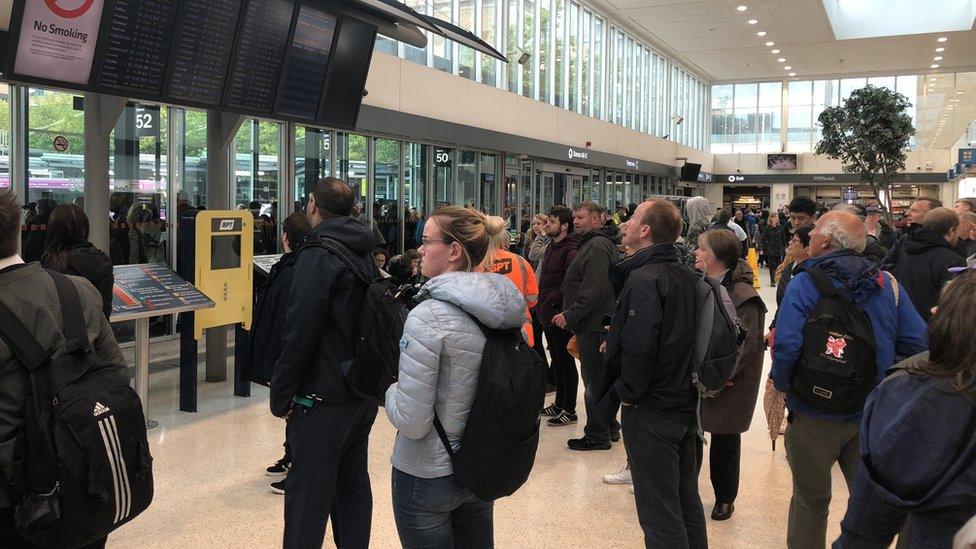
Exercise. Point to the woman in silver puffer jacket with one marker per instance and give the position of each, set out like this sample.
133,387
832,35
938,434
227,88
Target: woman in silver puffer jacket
440,358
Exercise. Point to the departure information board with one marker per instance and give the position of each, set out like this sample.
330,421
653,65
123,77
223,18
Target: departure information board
202,49
256,67
151,289
137,39
306,65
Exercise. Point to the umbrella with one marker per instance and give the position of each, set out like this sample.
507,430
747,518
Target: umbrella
774,404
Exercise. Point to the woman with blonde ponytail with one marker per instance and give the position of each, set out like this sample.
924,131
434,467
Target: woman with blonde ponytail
515,267
440,359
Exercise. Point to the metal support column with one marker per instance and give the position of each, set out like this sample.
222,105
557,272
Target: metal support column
221,129
18,142
101,114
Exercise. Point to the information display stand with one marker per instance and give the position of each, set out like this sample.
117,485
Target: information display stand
264,263
144,291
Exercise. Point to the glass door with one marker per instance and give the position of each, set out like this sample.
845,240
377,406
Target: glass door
416,157
443,177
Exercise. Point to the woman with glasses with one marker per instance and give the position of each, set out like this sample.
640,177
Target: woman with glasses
440,359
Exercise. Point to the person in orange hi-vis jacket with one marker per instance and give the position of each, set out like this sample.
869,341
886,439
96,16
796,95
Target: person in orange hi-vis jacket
515,267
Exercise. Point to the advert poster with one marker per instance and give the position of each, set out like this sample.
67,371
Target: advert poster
57,39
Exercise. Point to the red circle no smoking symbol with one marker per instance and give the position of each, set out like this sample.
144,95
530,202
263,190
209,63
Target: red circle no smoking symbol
60,143
69,13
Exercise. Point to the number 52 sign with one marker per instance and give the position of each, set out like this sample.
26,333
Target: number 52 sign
147,121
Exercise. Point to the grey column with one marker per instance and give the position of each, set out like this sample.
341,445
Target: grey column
101,114
221,129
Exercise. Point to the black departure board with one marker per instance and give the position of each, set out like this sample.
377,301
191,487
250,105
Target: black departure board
137,39
202,49
260,53
152,289
306,64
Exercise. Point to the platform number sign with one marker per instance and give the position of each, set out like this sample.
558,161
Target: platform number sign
147,121
442,158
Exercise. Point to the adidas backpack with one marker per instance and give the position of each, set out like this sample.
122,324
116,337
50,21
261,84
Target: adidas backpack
379,328
837,368
82,466
719,338
497,448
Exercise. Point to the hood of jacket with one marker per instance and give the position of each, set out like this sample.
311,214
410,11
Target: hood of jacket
923,241
742,272
857,273
89,262
609,230
571,240
489,297
939,426
620,270
351,232
739,283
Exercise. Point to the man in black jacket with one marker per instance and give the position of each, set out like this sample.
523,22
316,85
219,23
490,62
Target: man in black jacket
649,353
587,299
773,241
328,426
923,260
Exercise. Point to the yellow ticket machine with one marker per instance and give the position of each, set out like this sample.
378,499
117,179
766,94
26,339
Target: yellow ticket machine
224,250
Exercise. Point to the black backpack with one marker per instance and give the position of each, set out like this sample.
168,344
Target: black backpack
719,338
837,368
81,466
379,328
497,448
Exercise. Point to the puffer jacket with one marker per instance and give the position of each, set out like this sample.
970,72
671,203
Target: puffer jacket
440,357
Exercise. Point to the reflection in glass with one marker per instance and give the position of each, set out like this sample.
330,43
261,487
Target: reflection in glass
386,180
443,177
467,179
489,189
415,193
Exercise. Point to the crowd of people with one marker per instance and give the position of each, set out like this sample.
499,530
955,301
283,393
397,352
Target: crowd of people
870,354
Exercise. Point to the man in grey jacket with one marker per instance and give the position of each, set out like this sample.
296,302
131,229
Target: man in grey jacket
31,295
587,303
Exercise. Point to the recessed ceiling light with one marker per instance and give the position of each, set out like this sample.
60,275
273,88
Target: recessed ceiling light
782,60
931,79
787,67
742,8
774,52
752,21
942,39
958,93
935,66
761,33
937,58
770,43
939,50
792,74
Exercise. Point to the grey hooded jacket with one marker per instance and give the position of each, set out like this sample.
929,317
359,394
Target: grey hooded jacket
440,356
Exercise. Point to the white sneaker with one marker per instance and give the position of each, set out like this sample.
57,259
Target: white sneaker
620,477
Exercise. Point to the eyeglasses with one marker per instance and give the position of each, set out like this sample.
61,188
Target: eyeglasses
428,241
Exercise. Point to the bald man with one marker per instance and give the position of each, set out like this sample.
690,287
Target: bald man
923,265
819,435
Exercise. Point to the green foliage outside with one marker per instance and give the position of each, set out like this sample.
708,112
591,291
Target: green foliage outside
869,133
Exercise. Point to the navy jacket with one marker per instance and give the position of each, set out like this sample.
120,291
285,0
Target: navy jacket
897,329
918,462
262,345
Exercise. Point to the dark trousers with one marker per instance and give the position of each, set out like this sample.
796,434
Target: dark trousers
664,466
436,513
601,421
773,263
328,476
724,452
563,368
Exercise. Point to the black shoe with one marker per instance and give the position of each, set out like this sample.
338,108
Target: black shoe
563,418
279,488
722,511
279,468
584,444
551,411
615,437
550,389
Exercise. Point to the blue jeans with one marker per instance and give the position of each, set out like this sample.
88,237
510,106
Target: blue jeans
437,513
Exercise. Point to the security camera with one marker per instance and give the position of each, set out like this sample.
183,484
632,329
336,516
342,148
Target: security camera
365,92
524,58
737,170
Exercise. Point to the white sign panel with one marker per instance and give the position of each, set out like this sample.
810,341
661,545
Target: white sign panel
57,39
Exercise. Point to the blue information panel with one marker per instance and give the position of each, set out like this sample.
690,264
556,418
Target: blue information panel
307,63
153,289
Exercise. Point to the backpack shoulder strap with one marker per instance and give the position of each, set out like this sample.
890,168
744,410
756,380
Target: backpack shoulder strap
22,343
73,316
339,250
442,434
825,287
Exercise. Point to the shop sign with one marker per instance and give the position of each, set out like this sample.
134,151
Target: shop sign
574,154
632,164
826,178
967,156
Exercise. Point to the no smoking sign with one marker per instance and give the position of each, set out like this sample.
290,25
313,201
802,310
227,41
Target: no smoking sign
60,143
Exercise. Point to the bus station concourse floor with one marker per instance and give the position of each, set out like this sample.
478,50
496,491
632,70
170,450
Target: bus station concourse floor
211,489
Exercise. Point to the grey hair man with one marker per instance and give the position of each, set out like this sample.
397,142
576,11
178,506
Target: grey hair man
819,437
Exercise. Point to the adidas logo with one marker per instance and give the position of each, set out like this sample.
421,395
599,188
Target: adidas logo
100,409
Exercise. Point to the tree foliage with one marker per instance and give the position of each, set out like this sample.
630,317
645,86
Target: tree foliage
869,133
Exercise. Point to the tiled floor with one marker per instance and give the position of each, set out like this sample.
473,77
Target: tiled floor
211,490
